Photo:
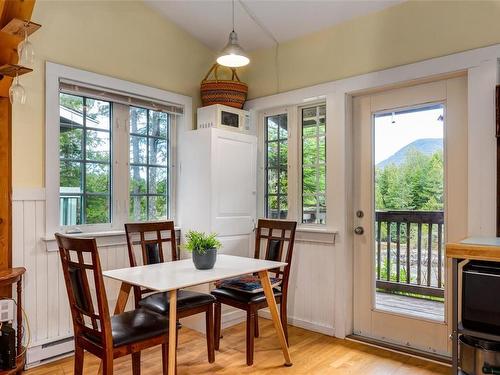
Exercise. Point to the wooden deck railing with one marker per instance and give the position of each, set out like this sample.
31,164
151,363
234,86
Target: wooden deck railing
409,252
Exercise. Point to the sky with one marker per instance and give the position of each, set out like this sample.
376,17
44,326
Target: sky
394,132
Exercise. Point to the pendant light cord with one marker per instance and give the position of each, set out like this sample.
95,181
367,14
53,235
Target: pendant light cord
233,15
270,35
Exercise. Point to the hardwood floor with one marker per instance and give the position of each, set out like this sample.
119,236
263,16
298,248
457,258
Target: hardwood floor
312,353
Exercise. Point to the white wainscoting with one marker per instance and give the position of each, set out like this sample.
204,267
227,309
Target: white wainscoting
311,288
45,299
311,293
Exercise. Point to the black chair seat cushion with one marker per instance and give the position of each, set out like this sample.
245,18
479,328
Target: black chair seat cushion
134,326
186,299
242,296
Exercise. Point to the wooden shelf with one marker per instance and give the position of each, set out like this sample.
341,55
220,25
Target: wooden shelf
11,275
17,27
11,70
20,362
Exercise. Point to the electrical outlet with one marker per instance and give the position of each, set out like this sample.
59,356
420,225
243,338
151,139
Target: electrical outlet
6,310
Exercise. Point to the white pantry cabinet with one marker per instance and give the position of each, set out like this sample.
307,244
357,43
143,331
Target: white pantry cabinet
216,192
218,182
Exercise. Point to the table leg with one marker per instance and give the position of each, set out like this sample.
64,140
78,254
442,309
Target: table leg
172,331
273,308
454,317
121,302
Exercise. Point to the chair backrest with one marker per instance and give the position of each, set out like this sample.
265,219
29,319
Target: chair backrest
85,287
153,240
277,238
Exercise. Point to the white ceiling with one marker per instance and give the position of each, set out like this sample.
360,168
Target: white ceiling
210,20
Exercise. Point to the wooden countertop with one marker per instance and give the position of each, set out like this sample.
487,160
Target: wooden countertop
478,248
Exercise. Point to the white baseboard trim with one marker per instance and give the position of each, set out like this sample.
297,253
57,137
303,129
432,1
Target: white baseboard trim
301,323
232,318
229,319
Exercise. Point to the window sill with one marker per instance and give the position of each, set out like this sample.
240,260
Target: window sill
106,238
316,235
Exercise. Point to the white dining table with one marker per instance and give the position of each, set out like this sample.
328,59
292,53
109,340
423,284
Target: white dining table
172,276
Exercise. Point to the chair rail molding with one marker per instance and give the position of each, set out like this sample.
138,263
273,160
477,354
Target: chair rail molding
28,194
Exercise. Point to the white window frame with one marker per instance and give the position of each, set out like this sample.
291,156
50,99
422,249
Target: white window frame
262,141
300,198
294,123
54,73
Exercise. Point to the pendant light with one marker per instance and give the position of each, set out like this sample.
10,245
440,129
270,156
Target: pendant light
233,55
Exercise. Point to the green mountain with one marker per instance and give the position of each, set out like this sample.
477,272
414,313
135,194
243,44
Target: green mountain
427,146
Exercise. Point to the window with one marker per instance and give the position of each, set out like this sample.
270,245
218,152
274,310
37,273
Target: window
109,151
294,164
86,153
276,160
149,161
313,121
85,160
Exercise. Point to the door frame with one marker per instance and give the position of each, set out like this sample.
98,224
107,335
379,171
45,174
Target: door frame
481,66
451,92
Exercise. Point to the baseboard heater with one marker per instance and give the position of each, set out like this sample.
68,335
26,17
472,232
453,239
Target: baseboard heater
38,355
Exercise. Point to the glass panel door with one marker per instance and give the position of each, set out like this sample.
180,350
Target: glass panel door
409,210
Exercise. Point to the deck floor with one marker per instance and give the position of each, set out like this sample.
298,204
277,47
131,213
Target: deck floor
417,307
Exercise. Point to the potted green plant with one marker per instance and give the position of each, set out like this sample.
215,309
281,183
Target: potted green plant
204,248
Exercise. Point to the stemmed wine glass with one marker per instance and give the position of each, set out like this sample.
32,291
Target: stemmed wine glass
17,94
26,51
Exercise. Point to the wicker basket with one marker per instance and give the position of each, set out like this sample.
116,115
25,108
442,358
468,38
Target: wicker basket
232,92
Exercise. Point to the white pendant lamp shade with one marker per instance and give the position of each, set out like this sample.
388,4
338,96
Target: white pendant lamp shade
233,55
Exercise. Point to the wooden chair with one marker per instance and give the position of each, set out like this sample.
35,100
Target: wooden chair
152,237
275,249
94,330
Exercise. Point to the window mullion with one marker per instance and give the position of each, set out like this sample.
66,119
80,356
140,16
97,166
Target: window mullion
120,150
317,163
147,164
294,136
83,209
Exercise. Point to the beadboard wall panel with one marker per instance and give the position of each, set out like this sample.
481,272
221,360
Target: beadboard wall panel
311,288
311,297
45,298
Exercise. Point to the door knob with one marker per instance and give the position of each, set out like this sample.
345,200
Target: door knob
359,230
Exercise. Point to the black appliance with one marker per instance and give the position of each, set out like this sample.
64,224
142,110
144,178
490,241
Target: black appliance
7,347
481,296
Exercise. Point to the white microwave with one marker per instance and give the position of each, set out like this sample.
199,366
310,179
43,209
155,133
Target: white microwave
222,116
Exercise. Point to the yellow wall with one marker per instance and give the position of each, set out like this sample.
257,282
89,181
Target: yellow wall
128,40
402,34
123,39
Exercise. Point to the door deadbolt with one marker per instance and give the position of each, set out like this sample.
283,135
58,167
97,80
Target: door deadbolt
360,214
